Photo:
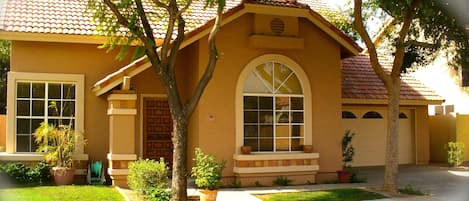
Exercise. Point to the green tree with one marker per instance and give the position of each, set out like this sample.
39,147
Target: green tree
4,68
421,27
137,19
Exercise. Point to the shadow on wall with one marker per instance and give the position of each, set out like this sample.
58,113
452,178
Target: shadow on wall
3,130
445,128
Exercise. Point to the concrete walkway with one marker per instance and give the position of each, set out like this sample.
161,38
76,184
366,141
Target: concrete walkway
441,183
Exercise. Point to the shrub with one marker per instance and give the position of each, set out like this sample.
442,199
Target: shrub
39,174
207,171
409,190
158,194
282,181
455,153
355,179
18,171
348,151
147,175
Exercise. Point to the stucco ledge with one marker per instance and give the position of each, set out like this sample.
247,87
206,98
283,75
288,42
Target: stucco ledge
275,156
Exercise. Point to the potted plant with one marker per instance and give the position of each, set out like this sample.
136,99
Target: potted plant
58,144
207,173
348,151
246,149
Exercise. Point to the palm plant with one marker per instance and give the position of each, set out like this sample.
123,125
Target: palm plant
58,142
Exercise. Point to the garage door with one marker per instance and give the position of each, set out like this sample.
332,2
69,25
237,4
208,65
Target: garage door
370,129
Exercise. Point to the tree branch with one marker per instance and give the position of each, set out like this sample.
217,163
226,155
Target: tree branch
172,10
123,21
150,44
189,2
360,27
176,44
420,44
400,46
213,57
160,4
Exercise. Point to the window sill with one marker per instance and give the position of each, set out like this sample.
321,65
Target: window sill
275,156
33,157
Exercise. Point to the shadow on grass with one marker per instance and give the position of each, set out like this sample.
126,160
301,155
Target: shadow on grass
328,195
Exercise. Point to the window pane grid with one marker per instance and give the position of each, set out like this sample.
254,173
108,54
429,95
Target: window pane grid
32,108
279,143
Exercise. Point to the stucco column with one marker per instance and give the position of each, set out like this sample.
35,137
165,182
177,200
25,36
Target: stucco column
122,111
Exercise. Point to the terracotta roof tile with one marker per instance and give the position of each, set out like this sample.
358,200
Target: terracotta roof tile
70,16
359,81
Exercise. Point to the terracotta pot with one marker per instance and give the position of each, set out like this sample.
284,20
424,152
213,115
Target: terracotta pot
308,148
208,195
343,176
246,149
62,175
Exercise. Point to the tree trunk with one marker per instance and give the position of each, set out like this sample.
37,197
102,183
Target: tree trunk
179,180
391,168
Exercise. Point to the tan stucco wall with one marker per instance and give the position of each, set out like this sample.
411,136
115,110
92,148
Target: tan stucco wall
422,135
3,129
94,63
320,60
442,130
462,132
446,128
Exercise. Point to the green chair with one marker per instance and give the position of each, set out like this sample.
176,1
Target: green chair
95,173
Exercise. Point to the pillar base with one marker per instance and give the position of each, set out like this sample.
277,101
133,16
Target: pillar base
118,168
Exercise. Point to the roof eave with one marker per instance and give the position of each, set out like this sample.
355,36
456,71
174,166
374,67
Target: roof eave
48,37
357,101
348,46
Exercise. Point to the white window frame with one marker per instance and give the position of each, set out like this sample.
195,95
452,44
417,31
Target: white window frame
14,77
239,98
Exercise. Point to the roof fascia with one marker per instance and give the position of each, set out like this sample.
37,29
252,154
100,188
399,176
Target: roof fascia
46,37
385,101
190,38
235,13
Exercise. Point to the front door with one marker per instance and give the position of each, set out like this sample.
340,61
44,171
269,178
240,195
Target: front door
157,128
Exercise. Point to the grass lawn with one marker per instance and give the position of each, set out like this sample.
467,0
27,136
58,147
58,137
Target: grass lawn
61,193
329,195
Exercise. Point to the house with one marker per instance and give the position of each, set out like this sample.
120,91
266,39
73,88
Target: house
277,86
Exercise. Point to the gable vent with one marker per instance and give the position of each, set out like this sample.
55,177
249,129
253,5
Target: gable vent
277,26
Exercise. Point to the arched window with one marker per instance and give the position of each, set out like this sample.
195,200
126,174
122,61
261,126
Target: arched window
273,109
348,115
372,115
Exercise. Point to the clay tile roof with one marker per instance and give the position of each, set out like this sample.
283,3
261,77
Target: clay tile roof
282,3
70,16
359,81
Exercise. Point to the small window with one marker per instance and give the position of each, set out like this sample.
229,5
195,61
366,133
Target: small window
402,116
372,115
348,115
